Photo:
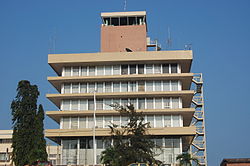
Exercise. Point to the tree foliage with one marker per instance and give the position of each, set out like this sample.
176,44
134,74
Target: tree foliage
28,139
131,143
186,159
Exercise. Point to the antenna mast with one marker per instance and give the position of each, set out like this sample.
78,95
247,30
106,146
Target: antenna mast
169,40
125,5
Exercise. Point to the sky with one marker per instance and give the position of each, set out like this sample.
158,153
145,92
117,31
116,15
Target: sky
219,31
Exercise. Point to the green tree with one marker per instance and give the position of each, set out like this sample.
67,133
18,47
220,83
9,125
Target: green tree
186,159
131,143
28,139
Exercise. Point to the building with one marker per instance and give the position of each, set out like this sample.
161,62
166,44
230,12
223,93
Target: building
236,162
6,150
125,71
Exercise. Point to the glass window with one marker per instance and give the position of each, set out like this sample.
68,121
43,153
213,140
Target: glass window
116,70
99,143
116,101
124,102
89,143
175,102
167,121
116,120
141,86
108,70
99,122
131,21
83,144
116,87
91,70
158,103
107,121
82,122
124,120
74,104
75,88
84,71
66,88
115,21
90,122
132,69
107,86
158,121
90,104
100,87
168,142
74,123
149,85
65,123
124,69
150,104
158,142
176,120
176,142
67,71
141,69
99,104
157,85
166,85
91,88
132,86
83,104
123,20
173,68
150,119
165,68
124,86
141,103
149,69
100,70
166,102
107,104
133,102
83,88
66,105
76,71
157,69
174,85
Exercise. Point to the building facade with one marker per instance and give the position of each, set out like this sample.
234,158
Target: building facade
158,83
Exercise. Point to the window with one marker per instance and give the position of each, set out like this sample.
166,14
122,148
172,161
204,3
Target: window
173,68
124,69
116,87
99,104
141,86
149,85
176,120
100,70
116,120
99,143
157,69
169,143
100,87
116,70
91,88
83,104
108,70
149,69
134,102
83,88
107,86
132,69
174,85
158,121
84,71
99,122
123,20
107,121
141,103
150,119
165,68
106,20
132,86
124,87
158,103
166,102
65,123
76,71
74,123
175,102
66,88
131,21
116,101
67,71
115,21
90,122
158,142
90,104
83,144
157,85
66,104
91,70
107,103
150,104
75,88
167,121
124,102
166,85
124,120
74,104
141,69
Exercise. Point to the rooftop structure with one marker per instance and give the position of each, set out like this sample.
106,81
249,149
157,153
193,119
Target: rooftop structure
236,162
158,83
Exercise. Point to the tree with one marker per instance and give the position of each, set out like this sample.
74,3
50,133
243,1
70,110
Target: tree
186,159
28,139
130,142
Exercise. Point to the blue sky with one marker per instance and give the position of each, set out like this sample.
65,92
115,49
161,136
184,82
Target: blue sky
219,32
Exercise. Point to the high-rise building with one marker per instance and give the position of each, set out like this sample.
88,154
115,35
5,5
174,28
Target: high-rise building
125,71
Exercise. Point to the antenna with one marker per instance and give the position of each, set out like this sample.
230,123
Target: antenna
125,5
169,40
